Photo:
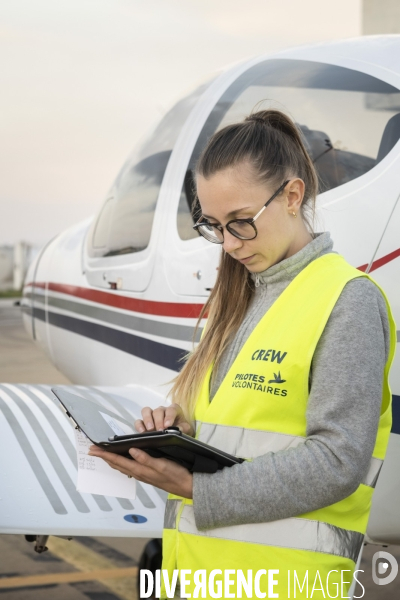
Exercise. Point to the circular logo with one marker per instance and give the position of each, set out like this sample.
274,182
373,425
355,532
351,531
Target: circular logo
381,568
135,519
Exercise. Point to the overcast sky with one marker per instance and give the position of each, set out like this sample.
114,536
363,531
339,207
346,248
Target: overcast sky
82,80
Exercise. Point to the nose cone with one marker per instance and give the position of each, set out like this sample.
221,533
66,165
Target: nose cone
27,300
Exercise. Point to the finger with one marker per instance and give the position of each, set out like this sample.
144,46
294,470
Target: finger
147,415
125,465
116,461
97,453
180,421
171,415
158,418
143,458
109,457
141,472
139,426
160,472
185,427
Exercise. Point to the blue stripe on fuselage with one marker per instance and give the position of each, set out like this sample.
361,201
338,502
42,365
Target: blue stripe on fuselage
155,352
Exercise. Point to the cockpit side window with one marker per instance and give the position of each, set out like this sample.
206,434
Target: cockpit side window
136,197
125,221
349,120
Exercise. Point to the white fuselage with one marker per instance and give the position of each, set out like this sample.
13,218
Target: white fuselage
110,316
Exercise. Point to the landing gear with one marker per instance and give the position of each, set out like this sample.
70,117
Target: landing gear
40,542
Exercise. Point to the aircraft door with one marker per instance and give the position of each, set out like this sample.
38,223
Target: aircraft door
192,266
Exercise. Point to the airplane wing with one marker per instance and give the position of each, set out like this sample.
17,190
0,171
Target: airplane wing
38,471
38,467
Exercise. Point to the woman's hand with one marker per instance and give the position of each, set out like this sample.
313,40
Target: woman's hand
161,472
163,417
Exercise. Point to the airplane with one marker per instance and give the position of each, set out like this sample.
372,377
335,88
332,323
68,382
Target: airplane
113,300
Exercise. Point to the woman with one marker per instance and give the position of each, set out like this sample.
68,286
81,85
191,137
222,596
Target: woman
291,373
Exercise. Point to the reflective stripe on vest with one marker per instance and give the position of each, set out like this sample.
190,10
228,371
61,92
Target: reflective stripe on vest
296,534
250,443
171,512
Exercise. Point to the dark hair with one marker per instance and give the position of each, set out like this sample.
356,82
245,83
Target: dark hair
273,145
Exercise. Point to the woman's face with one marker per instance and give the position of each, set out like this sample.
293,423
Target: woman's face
234,194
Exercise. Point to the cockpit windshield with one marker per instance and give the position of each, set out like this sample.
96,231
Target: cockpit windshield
126,218
349,120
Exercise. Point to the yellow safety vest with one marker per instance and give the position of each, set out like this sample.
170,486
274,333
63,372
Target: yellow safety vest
260,407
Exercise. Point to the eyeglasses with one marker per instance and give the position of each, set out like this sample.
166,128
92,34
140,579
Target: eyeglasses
244,229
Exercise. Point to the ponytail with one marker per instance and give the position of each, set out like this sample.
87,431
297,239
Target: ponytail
302,163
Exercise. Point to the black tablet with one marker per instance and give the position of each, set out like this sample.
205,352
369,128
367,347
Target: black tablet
107,430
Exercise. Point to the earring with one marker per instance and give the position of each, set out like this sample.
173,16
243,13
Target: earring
294,214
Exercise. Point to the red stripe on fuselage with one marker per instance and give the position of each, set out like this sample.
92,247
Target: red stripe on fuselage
161,309
150,307
381,261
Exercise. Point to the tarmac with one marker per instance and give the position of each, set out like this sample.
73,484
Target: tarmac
90,568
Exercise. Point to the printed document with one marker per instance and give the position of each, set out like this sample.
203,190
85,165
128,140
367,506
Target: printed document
94,475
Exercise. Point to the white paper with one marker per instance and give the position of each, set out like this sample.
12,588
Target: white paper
118,427
96,477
